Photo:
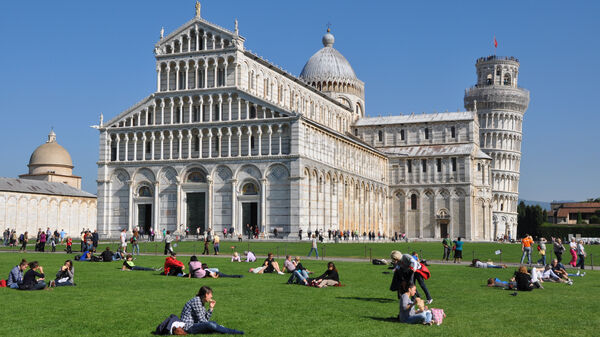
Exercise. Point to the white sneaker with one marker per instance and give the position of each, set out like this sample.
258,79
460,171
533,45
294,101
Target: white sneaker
578,273
280,273
582,275
429,301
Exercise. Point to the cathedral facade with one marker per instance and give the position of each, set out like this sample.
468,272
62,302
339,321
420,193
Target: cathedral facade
229,140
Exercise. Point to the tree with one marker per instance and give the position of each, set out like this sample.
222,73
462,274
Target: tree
579,218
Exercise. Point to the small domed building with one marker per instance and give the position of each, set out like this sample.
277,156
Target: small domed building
48,196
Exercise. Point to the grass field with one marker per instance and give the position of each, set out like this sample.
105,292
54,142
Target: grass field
108,302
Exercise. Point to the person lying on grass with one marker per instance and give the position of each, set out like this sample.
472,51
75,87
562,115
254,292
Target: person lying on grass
476,263
496,282
65,276
33,278
128,265
413,312
269,266
329,278
197,319
215,273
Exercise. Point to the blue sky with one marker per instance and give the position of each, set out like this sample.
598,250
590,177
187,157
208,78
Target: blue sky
65,62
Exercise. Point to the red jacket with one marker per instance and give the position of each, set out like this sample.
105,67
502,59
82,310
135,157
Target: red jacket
171,262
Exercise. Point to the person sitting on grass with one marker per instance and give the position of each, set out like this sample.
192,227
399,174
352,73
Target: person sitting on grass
496,282
329,278
173,267
236,257
128,265
548,275
300,273
196,270
197,318
523,279
33,278
15,278
559,269
408,313
269,266
476,263
406,271
65,276
107,255
250,257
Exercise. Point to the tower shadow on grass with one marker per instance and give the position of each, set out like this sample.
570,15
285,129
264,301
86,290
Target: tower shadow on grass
369,299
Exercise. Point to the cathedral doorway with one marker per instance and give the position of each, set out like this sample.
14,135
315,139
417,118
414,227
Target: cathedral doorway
443,228
250,215
145,217
196,211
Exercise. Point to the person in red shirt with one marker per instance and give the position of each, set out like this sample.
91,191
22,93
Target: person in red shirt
526,248
173,267
69,245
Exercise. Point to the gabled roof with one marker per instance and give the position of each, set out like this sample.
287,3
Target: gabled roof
201,23
417,118
41,187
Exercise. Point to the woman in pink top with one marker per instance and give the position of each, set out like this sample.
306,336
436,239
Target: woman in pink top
196,270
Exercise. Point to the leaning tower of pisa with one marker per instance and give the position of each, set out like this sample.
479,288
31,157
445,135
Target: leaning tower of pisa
500,106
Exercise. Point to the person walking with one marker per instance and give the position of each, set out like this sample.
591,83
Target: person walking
24,242
216,241
573,252
314,247
526,248
559,249
168,239
542,251
135,243
206,251
581,255
458,249
447,247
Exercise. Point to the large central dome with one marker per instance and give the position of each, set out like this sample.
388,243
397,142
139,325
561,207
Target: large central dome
327,64
50,154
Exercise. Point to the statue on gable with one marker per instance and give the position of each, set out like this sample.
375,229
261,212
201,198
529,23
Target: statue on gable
162,32
198,8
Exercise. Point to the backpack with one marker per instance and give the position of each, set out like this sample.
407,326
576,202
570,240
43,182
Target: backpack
164,328
424,271
379,262
21,238
438,315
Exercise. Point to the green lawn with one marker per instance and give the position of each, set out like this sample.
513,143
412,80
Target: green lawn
108,302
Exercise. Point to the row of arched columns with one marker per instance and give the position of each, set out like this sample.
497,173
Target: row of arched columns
193,39
506,182
196,109
510,121
505,202
501,141
343,202
326,148
196,73
506,161
211,142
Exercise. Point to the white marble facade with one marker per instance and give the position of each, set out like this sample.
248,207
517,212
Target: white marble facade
229,139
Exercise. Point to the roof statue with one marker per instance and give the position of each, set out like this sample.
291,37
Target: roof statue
101,119
237,31
198,8
162,32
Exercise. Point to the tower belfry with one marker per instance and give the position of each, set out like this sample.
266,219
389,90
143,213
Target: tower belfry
500,105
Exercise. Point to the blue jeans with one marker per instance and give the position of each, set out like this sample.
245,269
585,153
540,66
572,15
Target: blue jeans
423,317
542,260
208,327
300,275
136,246
14,286
526,251
64,284
315,250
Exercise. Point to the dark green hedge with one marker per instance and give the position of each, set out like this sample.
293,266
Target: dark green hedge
563,231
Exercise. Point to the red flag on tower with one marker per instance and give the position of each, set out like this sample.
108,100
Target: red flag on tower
495,43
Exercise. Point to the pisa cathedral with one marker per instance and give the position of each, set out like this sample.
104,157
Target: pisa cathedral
229,140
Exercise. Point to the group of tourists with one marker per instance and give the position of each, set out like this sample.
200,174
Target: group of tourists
452,247
30,276
576,249
528,279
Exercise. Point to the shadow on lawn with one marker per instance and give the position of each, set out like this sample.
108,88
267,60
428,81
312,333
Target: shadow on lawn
384,319
369,299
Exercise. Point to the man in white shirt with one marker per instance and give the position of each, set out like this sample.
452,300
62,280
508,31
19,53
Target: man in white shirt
123,240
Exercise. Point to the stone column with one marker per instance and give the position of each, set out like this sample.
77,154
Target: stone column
200,143
249,133
234,224
270,132
162,145
215,71
279,131
210,143
201,108
210,201
179,203
130,206
180,113
187,71
205,74
259,132
171,105
219,144
228,142
210,108
127,147
263,206
224,72
229,110
156,210
177,74
162,112
144,146
168,69
158,78
220,112
170,145
196,75
189,138
239,108
239,135
152,138
191,105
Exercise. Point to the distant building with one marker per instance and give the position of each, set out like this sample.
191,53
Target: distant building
567,212
48,196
